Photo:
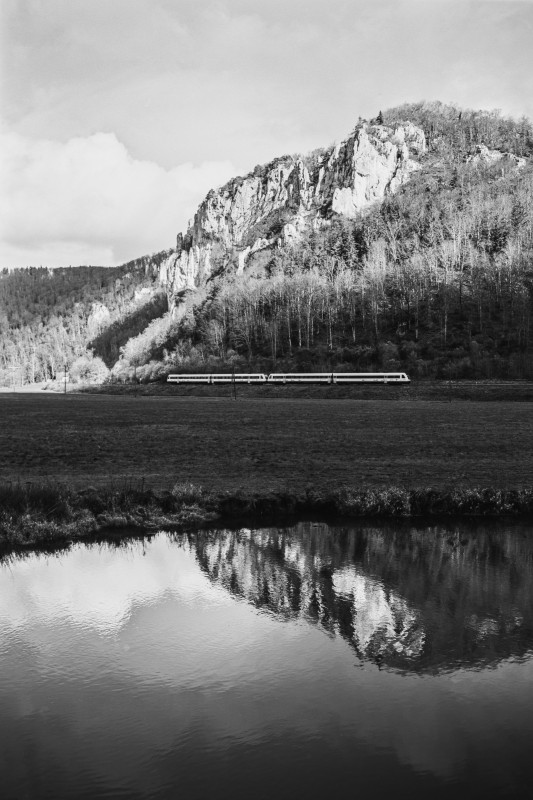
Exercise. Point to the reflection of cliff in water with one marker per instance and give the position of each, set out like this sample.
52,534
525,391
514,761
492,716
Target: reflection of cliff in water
409,598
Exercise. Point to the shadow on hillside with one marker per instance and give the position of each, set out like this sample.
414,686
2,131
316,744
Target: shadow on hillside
108,343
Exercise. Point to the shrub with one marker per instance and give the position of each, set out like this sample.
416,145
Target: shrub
88,369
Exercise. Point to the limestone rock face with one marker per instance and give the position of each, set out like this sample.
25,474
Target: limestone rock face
272,206
484,156
98,318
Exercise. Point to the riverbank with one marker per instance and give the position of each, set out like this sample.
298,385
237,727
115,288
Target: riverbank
54,514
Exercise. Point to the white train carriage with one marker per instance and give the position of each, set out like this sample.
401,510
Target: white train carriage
188,378
221,377
370,377
239,377
299,377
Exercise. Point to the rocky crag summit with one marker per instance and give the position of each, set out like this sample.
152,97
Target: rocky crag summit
239,225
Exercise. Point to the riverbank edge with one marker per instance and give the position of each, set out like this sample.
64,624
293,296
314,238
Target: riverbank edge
34,515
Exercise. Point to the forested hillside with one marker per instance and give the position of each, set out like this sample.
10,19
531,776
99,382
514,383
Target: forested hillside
52,319
436,280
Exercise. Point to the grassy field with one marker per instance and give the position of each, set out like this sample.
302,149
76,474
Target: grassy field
261,445
446,391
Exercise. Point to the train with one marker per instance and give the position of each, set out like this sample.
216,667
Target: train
290,377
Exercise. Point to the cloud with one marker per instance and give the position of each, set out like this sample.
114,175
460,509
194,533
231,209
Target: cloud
44,591
246,80
87,199
194,86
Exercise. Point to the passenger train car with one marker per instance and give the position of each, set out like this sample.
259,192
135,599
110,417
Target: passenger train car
221,377
291,377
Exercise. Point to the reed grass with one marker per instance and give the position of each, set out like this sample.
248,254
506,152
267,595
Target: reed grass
34,515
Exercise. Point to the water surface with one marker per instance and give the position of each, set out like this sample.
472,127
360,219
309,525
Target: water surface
271,663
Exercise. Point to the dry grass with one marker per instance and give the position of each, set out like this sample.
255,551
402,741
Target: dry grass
53,515
264,445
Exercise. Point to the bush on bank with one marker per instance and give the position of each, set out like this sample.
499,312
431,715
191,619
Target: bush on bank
49,514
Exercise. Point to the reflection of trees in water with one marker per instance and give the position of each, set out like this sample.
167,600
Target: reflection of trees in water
409,598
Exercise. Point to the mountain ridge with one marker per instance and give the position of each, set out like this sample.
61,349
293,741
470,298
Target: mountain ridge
409,245
272,205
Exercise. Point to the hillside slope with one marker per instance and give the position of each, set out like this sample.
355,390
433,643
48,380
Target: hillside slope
408,245
52,319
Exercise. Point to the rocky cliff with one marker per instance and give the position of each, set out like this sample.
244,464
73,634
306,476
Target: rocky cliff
249,217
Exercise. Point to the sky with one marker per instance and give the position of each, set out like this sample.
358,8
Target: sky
117,116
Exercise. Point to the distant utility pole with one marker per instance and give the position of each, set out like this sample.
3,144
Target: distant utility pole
234,383
65,378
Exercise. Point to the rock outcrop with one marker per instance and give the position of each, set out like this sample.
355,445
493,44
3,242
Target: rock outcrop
272,205
483,156
98,318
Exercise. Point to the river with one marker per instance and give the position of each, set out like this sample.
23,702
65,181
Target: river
309,661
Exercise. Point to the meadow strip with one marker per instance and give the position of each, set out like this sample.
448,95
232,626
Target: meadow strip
269,445
74,466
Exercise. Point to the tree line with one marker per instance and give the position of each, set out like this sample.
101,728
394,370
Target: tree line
53,320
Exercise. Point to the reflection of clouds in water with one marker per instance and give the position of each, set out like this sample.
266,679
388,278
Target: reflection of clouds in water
382,621
382,605
195,670
99,586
